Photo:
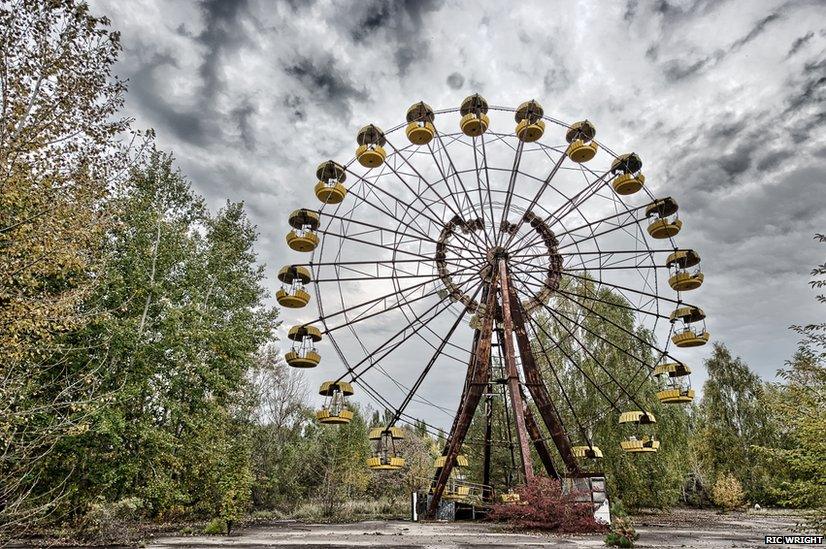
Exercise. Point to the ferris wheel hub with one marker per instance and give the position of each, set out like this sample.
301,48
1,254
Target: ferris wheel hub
496,253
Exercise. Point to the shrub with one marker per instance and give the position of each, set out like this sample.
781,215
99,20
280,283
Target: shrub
622,533
618,509
543,506
110,521
215,527
727,492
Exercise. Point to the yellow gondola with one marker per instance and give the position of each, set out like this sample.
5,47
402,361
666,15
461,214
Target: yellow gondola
588,452
640,441
529,123
370,152
628,178
681,279
677,388
330,187
420,129
581,144
474,120
334,410
292,293
689,337
385,457
667,224
303,353
302,238
455,490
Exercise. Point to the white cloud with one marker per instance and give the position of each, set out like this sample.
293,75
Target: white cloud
722,100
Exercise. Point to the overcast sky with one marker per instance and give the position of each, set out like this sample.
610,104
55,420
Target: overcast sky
724,101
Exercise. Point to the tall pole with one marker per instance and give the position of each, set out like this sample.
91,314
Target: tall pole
536,386
486,488
478,377
513,374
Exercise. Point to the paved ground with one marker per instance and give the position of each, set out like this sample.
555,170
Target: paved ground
702,529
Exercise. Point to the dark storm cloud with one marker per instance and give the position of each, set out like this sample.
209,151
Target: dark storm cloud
221,32
805,103
455,80
678,69
756,31
397,25
241,115
326,83
146,88
630,10
799,43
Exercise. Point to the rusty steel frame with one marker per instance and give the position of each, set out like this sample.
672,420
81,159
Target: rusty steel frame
511,328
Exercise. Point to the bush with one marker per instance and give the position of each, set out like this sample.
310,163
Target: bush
727,492
110,521
622,533
215,527
543,506
618,509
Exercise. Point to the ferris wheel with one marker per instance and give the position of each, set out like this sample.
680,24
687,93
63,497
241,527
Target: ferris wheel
469,250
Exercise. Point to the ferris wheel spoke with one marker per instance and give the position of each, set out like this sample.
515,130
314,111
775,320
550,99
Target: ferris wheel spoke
626,307
645,342
418,399
417,321
383,402
422,179
571,204
625,288
545,354
494,229
401,293
594,235
374,244
593,357
393,346
385,209
598,221
378,229
509,196
612,402
431,362
375,189
538,195
615,267
445,176
479,190
457,177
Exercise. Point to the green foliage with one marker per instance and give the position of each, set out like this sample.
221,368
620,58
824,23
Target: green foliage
59,152
622,533
184,320
216,527
608,362
799,406
733,419
727,493
338,458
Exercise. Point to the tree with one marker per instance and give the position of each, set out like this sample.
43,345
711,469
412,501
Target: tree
799,405
339,470
280,450
733,420
185,322
58,153
612,352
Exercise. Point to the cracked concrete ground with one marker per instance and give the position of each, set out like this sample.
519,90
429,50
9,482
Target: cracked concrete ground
681,528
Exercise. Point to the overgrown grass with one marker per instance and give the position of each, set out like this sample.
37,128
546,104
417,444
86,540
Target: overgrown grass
349,511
